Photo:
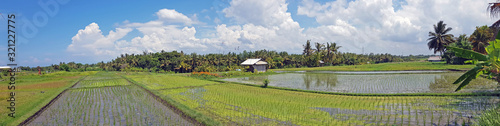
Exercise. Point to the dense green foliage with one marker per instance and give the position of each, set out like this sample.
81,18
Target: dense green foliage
480,38
487,64
461,42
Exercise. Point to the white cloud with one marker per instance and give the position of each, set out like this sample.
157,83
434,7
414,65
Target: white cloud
268,13
91,42
374,25
266,24
172,16
376,22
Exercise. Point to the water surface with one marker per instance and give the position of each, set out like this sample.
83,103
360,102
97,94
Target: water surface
372,82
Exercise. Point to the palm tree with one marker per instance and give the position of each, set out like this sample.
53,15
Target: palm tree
439,38
480,39
332,49
307,48
494,9
319,47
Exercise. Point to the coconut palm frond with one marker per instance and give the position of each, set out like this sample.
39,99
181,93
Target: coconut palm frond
494,9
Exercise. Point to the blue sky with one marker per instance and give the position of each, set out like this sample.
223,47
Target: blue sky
92,31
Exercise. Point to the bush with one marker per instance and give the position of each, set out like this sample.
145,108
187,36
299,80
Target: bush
266,81
5,72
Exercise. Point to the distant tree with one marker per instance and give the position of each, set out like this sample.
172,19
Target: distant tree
307,48
461,42
331,49
480,38
319,47
439,39
64,67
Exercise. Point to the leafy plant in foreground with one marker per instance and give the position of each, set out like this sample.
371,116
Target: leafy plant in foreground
488,64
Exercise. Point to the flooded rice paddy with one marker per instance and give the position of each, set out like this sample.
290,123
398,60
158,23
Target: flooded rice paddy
107,101
372,82
246,105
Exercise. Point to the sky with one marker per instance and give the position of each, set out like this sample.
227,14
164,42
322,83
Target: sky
53,31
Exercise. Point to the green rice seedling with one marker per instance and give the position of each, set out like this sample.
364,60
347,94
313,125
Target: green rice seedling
432,114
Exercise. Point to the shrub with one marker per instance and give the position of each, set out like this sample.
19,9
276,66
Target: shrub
5,72
266,81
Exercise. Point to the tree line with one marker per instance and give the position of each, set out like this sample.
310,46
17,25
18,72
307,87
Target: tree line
439,40
322,54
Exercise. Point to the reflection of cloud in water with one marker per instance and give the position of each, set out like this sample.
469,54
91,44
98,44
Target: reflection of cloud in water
457,109
436,82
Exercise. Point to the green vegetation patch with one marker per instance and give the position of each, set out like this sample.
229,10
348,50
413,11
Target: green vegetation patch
240,104
102,83
156,82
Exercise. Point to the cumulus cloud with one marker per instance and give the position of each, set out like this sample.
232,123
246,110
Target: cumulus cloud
90,41
379,26
377,22
265,24
172,16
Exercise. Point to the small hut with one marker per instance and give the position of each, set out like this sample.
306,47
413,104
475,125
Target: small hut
321,63
255,64
434,59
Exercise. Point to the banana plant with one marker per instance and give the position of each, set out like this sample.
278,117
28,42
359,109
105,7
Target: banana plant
488,64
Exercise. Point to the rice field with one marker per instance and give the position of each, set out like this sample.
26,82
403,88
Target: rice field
248,105
236,104
108,100
102,83
159,82
33,92
372,82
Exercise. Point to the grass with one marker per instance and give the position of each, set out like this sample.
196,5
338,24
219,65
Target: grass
102,83
35,91
386,67
489,118
156,82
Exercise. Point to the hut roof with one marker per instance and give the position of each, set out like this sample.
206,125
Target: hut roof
5,67
254,62
434,58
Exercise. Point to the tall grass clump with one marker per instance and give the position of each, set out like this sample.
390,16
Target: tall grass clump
266,81
489,118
